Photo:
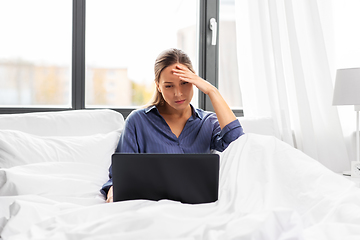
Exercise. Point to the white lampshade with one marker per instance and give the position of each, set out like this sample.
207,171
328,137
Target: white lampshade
347,87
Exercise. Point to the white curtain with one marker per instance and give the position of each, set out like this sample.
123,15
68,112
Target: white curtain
285,73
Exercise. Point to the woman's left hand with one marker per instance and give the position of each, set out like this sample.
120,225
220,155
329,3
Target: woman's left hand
188,76
110,195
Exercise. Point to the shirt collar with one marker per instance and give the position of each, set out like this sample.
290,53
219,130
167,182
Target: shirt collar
148,109
195,112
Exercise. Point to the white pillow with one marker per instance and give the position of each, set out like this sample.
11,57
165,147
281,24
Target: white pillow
64,123
19,148
57,180
259,125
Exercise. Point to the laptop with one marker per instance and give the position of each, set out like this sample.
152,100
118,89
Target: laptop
187,178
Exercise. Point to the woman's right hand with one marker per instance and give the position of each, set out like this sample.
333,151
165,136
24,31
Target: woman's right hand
110,195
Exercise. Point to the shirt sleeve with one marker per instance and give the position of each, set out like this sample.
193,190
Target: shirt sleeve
105,188
128,142
223,137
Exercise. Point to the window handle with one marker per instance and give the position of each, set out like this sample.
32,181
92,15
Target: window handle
213,27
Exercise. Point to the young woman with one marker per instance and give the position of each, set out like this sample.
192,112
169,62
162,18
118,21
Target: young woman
170,124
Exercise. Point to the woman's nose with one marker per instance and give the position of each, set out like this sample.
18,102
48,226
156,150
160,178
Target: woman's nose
178,91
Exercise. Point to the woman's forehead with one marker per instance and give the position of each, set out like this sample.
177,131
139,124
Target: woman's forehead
167,75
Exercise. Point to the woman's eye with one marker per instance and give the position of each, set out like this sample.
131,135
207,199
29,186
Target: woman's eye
183,83
168,86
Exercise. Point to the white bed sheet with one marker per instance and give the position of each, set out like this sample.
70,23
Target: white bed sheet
268,190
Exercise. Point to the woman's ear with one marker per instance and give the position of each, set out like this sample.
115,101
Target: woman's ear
157,87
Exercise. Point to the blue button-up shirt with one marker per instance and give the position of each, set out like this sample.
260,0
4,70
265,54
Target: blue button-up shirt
146,131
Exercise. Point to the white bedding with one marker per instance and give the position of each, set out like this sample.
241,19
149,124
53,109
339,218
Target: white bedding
268,190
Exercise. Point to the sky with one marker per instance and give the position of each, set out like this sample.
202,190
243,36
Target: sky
30,33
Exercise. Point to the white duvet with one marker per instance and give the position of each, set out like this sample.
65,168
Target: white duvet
268,190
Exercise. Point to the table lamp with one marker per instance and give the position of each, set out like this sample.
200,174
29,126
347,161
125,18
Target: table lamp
347,92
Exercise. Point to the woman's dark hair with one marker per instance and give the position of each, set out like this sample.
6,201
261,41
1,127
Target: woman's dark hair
167,58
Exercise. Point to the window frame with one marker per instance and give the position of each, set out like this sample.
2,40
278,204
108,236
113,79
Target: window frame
208,61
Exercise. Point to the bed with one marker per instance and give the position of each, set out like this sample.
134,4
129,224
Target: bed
53,165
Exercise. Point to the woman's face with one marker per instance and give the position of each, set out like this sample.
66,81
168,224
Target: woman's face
176,92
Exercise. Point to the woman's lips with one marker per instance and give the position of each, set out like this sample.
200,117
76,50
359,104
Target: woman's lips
180,101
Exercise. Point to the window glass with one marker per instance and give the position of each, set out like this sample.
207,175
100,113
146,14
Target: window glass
123,39
35,53
229,85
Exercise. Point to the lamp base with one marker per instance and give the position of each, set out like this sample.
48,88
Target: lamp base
355,169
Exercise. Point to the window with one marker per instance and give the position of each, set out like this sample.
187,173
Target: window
122,42
76,54
229,86
35,53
